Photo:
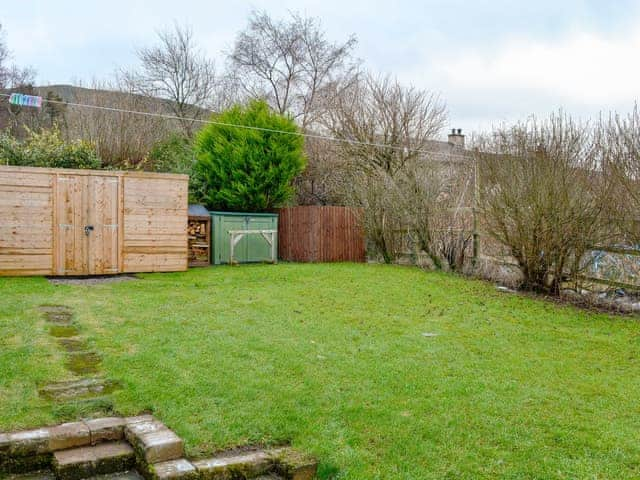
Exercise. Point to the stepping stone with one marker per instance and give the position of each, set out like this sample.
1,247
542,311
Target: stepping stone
173,470
73,344
54,309
64,331
60,318
78,388
82,363
246,465
84,462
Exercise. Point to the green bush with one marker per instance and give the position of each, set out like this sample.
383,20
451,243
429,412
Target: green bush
46,148
244,169
172,155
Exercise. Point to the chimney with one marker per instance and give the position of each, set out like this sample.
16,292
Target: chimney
456,138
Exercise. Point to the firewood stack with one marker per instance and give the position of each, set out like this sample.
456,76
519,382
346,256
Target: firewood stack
198,231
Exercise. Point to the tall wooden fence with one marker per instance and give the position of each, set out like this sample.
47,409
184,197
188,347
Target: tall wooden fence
321,234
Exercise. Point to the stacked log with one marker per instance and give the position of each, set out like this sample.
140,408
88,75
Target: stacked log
199,244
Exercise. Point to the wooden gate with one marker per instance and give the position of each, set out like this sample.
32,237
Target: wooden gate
87,221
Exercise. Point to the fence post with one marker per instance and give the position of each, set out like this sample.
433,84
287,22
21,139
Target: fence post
474,211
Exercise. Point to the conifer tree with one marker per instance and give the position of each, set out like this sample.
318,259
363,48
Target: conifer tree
248,170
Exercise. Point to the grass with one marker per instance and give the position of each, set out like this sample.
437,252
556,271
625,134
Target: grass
333,359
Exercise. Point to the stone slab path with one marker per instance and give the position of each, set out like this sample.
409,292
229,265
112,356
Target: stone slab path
89,391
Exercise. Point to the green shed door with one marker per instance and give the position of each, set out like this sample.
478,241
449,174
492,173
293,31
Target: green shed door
224,223
258,249
251,247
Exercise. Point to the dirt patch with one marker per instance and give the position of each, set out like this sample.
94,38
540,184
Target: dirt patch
93,280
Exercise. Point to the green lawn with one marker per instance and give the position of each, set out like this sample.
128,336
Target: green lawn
333,359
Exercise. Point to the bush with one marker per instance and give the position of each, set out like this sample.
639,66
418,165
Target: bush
47,149
544,195
248,170
172,155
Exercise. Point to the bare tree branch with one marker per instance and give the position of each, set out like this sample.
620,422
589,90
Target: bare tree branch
178,72
291,64
379,110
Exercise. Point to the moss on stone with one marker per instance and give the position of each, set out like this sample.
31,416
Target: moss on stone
24,464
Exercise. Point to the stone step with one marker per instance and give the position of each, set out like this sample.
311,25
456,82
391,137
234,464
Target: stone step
129,475
48,475
154,441
85,462
242,465
293,464
39,475
178,469
277,463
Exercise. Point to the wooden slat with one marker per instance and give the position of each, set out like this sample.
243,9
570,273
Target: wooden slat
25,250
27,261
9,177
180,249
15,171
139,262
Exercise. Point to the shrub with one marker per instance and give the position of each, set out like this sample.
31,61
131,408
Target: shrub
244,169
46,148
544,195
172,155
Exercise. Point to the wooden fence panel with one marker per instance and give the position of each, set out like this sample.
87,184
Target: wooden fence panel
321,234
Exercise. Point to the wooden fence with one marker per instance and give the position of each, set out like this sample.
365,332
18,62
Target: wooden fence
321,234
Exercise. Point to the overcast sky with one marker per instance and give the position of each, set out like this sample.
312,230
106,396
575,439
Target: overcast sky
491,60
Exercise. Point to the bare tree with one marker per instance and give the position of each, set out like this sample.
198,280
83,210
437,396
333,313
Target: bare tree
375,192
383,123
291,64
545,195
14,78
323,180
178,72
383,130
619,139
435,193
